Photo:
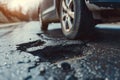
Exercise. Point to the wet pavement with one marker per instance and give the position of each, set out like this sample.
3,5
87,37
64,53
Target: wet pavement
27,53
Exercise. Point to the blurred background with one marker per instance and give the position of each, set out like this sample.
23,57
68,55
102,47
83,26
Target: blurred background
18,10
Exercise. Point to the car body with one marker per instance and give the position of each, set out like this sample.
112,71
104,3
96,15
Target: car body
101,10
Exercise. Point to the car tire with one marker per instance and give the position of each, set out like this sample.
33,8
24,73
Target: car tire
44,25
76,19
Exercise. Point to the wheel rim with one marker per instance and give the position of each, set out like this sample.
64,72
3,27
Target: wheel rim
67,14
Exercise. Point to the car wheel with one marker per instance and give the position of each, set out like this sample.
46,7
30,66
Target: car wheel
76,19
44,25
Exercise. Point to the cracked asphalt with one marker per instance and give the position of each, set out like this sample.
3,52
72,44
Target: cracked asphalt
27,53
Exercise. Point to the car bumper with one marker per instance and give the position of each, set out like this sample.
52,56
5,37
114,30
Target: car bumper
106,3
104,0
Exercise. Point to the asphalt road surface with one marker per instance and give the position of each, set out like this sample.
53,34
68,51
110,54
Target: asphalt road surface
27,53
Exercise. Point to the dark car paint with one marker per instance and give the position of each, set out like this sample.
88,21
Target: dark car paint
106,3
104,0
98,6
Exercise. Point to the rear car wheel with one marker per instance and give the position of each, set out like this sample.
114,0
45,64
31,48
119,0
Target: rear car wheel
44,25
76,19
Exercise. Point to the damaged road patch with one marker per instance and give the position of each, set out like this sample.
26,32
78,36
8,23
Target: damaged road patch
53,51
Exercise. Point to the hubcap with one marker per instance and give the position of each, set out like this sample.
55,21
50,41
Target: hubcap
67,14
